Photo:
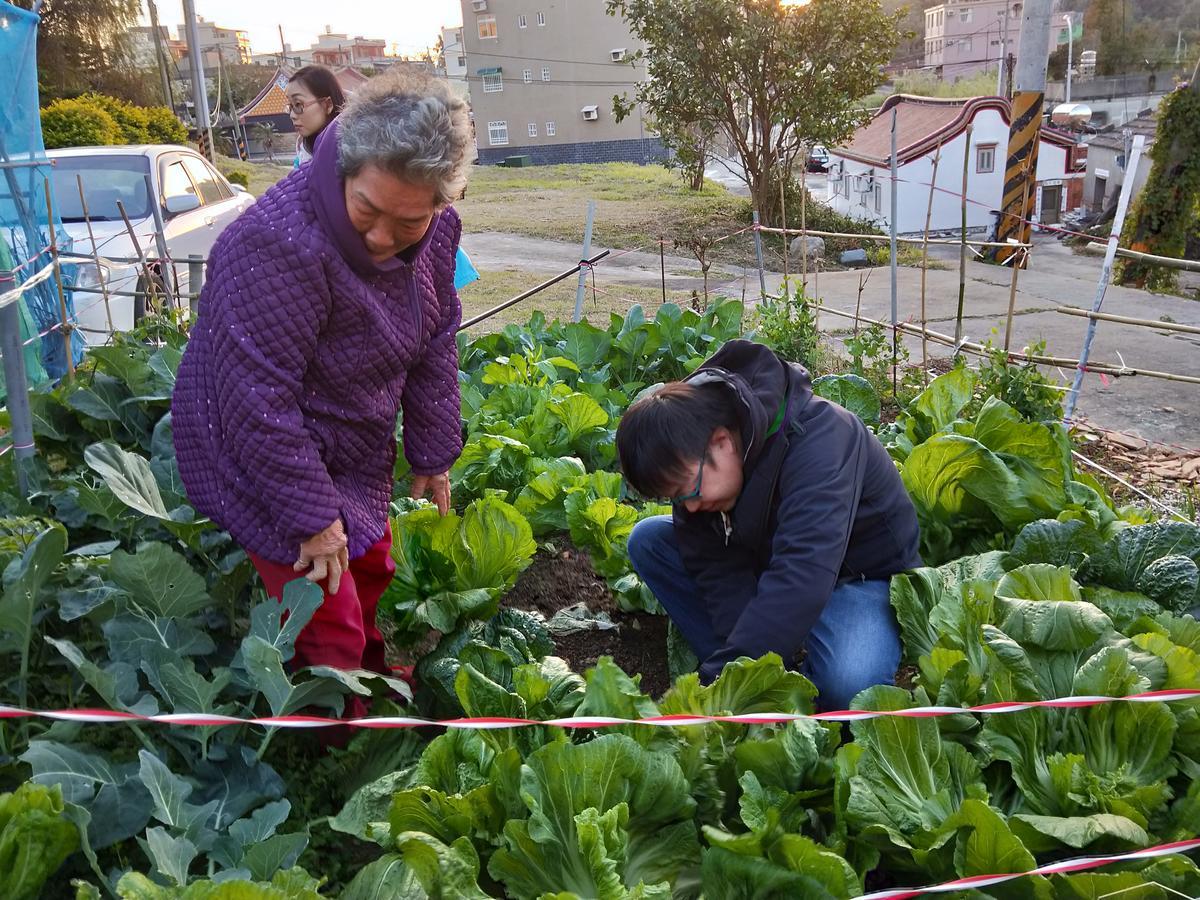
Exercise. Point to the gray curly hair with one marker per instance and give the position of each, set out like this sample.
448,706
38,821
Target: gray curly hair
410,125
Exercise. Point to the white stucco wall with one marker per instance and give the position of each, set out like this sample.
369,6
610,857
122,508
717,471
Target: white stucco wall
983,189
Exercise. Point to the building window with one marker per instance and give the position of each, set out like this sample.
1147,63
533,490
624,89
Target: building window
497,133
533,129
458,38
966,45
541,19
878,198
462,61
985,159
545,73
550,131
964,16
493,82
522,22
487,27
527,75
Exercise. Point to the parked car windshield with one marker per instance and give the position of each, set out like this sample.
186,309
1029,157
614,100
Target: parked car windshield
106,179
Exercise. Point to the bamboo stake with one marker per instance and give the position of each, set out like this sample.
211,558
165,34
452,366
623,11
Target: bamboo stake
803,225
662,267
962,253
1012,297
62,296
980,350
783,219
881,238
937,157
1018,260
95,253
151,287
1129,320
1168,262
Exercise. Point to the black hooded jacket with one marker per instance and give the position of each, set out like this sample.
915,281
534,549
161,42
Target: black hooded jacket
821,502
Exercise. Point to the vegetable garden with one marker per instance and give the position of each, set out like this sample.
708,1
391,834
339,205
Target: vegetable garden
118,597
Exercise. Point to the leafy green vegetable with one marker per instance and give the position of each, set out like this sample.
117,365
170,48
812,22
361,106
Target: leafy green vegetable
35,839
851,391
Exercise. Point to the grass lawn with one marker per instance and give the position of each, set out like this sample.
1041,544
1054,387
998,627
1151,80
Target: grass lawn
261,174
635,205
557,302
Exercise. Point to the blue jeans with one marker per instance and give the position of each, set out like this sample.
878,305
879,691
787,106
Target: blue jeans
855,643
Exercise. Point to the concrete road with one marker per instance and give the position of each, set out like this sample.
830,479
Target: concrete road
1155,409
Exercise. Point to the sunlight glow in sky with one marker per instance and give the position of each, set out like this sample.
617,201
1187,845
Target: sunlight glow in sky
410,25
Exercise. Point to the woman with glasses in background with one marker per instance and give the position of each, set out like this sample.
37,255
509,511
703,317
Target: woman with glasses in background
314,100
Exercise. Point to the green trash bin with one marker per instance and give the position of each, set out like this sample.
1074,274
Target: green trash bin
518,162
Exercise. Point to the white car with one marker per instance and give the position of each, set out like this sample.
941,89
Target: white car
194,202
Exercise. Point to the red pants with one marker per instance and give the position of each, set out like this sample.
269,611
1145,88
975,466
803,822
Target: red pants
342,632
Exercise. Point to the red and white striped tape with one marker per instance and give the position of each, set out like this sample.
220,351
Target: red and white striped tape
1063,867
767,718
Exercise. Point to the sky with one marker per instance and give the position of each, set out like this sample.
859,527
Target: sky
412,25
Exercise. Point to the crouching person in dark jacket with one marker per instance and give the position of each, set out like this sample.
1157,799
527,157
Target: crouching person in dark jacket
789,521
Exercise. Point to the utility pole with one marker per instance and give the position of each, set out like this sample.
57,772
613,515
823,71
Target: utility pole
1070,52
239,133
1003,53
160,56
1024,132
199,88
282,48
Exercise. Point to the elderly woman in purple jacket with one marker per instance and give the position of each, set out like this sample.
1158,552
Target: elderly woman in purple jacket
329,310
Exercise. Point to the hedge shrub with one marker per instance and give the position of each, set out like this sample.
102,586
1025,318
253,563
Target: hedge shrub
97,119
129,118
78,123
164,126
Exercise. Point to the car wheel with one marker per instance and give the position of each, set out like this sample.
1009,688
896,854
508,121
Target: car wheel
151,296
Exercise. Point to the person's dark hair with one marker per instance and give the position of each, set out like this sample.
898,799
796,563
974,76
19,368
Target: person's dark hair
665,433
322,84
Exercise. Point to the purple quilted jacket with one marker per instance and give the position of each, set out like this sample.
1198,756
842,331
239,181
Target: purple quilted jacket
304,352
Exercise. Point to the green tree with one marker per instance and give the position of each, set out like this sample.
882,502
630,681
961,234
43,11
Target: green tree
1167,212
1121,43
769,79
79,46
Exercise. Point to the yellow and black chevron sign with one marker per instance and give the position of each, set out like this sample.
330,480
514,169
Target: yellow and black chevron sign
1020,171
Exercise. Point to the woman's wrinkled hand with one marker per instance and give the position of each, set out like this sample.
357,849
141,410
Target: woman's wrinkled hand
326,555
436,487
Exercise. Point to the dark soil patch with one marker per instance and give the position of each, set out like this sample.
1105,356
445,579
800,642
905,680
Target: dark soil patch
565,577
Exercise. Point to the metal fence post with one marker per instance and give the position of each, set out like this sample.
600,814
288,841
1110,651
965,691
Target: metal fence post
195,282
894,166
15,384
1135,156
160,241
762,279
587,252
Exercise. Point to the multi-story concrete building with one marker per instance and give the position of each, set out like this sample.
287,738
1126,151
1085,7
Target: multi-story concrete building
965,37
542,75
230,44
141,47
455,54
336,49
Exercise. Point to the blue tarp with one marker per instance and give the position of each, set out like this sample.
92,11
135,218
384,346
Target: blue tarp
24,171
